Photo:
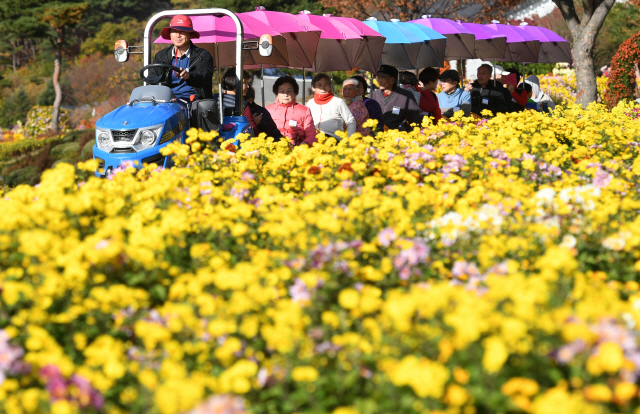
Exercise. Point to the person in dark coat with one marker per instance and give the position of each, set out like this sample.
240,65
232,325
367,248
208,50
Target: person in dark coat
487,94
373,107
229,86
399,106
196,63
266,124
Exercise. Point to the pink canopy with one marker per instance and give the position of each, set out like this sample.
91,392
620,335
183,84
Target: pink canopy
338,46
221,30
370,53
301,41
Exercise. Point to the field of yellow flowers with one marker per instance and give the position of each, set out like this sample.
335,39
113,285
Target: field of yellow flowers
562,87
474,267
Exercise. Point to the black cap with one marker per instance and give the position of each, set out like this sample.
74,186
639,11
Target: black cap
450,74
389,71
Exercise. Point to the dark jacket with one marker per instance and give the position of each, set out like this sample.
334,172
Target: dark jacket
490,97
375,112
267,125
397,108
229,105
200,75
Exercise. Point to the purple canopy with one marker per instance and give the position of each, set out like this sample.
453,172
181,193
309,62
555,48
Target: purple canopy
553,48
460,41
521,46
487,45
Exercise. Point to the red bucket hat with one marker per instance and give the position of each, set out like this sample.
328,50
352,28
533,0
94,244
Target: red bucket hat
179,22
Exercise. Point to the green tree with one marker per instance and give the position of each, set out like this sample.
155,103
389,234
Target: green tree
103,41
100,12
15,108
20,28
530,68
60,16
48,95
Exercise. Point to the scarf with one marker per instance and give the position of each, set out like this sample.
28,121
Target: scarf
322,99
357,98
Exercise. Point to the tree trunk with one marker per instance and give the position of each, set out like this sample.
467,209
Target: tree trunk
584,31
57,67
25,52
585,70
33,50
14,56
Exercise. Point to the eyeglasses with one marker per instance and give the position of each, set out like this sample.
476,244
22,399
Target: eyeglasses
382,76
285,92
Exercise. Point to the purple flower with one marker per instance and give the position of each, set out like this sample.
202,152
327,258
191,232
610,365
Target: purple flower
567,352
602,179
386,236
323,254
408,259
299,291
247,176
239,193
454,163
9,357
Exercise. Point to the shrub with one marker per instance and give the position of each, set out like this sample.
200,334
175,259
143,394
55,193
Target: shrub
39,121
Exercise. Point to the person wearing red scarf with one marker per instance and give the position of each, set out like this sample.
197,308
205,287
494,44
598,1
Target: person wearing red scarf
330,113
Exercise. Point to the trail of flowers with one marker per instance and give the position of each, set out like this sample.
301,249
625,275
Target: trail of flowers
471,267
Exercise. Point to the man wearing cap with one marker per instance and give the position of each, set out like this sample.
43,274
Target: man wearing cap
196,63
452,98
516,98
399,107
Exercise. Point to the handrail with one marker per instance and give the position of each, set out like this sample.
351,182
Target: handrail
148,43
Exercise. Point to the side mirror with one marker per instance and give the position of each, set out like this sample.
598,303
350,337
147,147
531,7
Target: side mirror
121,51
265,45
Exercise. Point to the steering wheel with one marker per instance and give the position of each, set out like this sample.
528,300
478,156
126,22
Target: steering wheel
162,79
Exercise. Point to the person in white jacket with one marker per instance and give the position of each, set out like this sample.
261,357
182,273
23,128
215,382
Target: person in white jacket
330,113
538,95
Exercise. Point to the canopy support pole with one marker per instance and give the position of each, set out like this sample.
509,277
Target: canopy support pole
220,109
304,86
331,73
262,82
370,84
494,72
523,76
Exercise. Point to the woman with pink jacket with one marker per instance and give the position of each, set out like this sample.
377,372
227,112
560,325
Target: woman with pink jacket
292,119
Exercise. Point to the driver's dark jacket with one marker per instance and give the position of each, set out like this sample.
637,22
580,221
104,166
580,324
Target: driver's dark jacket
200,76
493,95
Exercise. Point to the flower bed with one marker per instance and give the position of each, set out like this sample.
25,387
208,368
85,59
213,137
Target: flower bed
472,267
15,148
39,121
562,87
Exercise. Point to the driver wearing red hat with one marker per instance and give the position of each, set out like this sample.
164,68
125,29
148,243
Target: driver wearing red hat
196,63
